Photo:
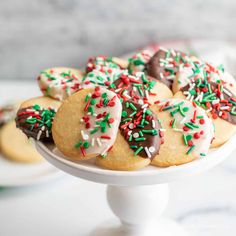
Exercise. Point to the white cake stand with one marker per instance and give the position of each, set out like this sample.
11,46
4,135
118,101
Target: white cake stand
138,198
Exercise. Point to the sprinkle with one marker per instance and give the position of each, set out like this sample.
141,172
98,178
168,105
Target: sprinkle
138,150
147,152
190,149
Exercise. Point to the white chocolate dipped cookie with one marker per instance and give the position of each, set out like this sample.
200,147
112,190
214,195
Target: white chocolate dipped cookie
219,103
102,71
140,88
86,124
60,82
137,142
188,132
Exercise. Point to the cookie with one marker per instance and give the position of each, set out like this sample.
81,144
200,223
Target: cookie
219,103
137,142
139,61
165,64
140,88
35,117
7,113
86,124
203,70
102,71
188,132
16,146
60,82
105,63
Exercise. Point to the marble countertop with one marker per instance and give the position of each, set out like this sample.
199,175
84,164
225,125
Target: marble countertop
205,205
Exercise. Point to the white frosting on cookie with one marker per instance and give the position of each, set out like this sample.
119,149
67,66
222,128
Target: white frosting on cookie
192,122
101,119
138,61
187,75
59,83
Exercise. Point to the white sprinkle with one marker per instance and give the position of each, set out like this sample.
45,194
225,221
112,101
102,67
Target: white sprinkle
140,101
163,130
147,152
47,133
183,120
93,140
131,125
144,106
162,60
227,92
136,135
170,77
151,149
186,92
153,124
209,110
178,130
146,94
220,113
126,95
81,121
163,49
43,128
39,134
118,90
104,140
84,136
173,52
161,75
169,66
99,142
224,108
104,153
130,132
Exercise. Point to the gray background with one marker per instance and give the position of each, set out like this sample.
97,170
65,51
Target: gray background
38,34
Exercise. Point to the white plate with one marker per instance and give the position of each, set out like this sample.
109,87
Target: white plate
16,174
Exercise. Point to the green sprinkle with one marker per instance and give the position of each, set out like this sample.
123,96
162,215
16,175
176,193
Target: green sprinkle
174,123
133,146
133,106
86,145
93,101
36,107
190,150
233,111
185,140
77,145
202,154
132,114
140,139
130,138
94,130
138,151
124,114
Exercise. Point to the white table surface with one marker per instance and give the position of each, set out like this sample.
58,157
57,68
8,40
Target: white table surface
204,204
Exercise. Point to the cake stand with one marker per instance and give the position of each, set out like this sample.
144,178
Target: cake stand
137,198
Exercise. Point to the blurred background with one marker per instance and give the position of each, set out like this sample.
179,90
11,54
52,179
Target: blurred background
39,34
40,200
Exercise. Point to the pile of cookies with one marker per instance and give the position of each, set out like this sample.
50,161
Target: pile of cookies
162,108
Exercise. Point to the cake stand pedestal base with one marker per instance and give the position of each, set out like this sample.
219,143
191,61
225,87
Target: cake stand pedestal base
139,210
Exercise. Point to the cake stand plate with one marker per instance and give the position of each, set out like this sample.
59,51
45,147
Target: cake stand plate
137,198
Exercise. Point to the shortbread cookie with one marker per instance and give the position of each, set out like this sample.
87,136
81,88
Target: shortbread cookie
35,117
104,63
7,113
220,104
188,132
203,70
165,64
16,146
139,61
86,124
138,141
140,88
60,82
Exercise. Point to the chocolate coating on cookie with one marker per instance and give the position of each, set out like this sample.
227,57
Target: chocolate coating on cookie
165,64
36,122
141,129
137,87
214,97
